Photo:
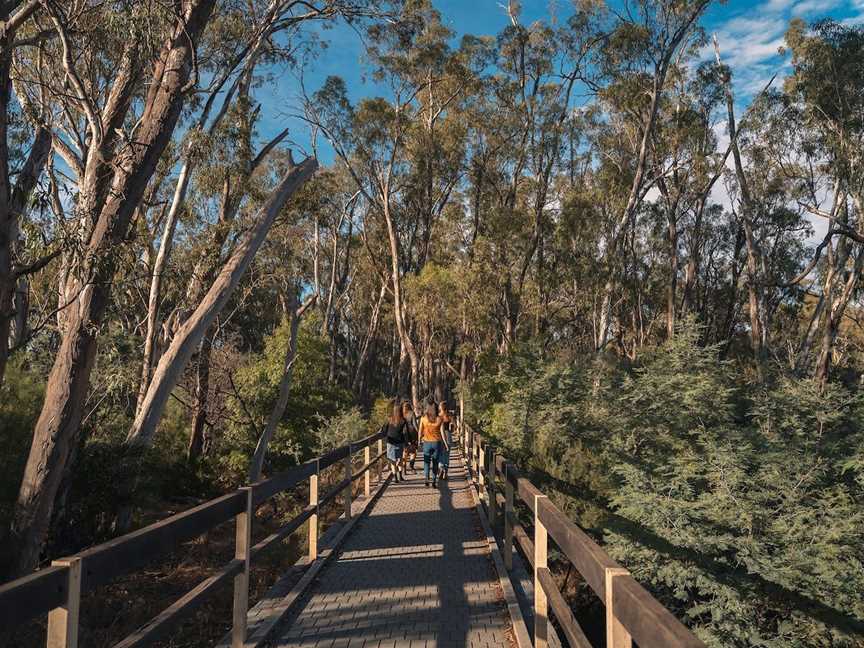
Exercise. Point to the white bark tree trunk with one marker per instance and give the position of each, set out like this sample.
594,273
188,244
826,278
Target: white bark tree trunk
178,353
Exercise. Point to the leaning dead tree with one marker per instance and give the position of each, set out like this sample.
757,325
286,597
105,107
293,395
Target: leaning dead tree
115,167
257,464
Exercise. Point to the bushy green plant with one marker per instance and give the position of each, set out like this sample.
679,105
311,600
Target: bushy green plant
339,429
740,509
20,401
311,396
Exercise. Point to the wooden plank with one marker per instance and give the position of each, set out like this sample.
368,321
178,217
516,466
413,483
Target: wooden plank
366,467
313,519
585,554
616,634
266,489
367,458
501,465
242,551
33,595
541,603
161,624
364,443
572,630
332,457
527,492
273,539
346,494
104,562
63,620
492,493
520,629
649,623
509,514
525,543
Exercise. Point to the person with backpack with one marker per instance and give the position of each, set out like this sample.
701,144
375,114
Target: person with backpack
395,433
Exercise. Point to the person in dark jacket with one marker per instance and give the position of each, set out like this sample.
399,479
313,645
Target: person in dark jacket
396,437
411,439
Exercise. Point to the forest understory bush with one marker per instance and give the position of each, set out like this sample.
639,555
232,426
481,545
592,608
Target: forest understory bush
740,507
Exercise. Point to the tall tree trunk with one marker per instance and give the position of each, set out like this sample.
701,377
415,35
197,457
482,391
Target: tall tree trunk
111,190
367,340
13,285
399,307
672,284
155,295
754,287
278,411
197,436
177,355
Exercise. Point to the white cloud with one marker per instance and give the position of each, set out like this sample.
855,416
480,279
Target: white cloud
807,7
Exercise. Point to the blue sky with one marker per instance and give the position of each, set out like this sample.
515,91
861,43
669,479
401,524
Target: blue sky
749,34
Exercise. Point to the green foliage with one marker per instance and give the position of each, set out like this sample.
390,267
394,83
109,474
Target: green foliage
312,396
339,429
741,513
20,401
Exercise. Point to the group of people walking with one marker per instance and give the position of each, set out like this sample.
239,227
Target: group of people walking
432,435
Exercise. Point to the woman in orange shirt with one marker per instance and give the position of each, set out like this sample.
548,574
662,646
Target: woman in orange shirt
432,439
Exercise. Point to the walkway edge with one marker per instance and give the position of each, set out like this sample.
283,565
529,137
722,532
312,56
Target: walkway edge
270,610
520,630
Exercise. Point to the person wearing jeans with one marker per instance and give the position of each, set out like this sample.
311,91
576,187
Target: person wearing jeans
432,439
395,432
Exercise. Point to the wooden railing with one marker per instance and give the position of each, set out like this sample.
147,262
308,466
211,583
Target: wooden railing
632,614
57,589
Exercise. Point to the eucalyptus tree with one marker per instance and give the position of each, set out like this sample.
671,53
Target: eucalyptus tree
18,32
645,42
150,63
382,143
825,86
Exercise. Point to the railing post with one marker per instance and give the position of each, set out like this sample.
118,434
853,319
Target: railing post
493,503
475,459
346,494
242,545
508,519
313,519
541,603
380,461
616,635
481,469
63,620
367,458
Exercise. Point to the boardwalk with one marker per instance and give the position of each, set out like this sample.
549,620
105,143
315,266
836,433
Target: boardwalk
415,572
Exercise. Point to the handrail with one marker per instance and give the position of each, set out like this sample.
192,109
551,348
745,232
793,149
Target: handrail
57,589
632,614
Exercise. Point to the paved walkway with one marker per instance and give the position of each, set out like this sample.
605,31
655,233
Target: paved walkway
415,572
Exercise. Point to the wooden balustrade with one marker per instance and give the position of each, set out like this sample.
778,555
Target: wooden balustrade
632,614
57,589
